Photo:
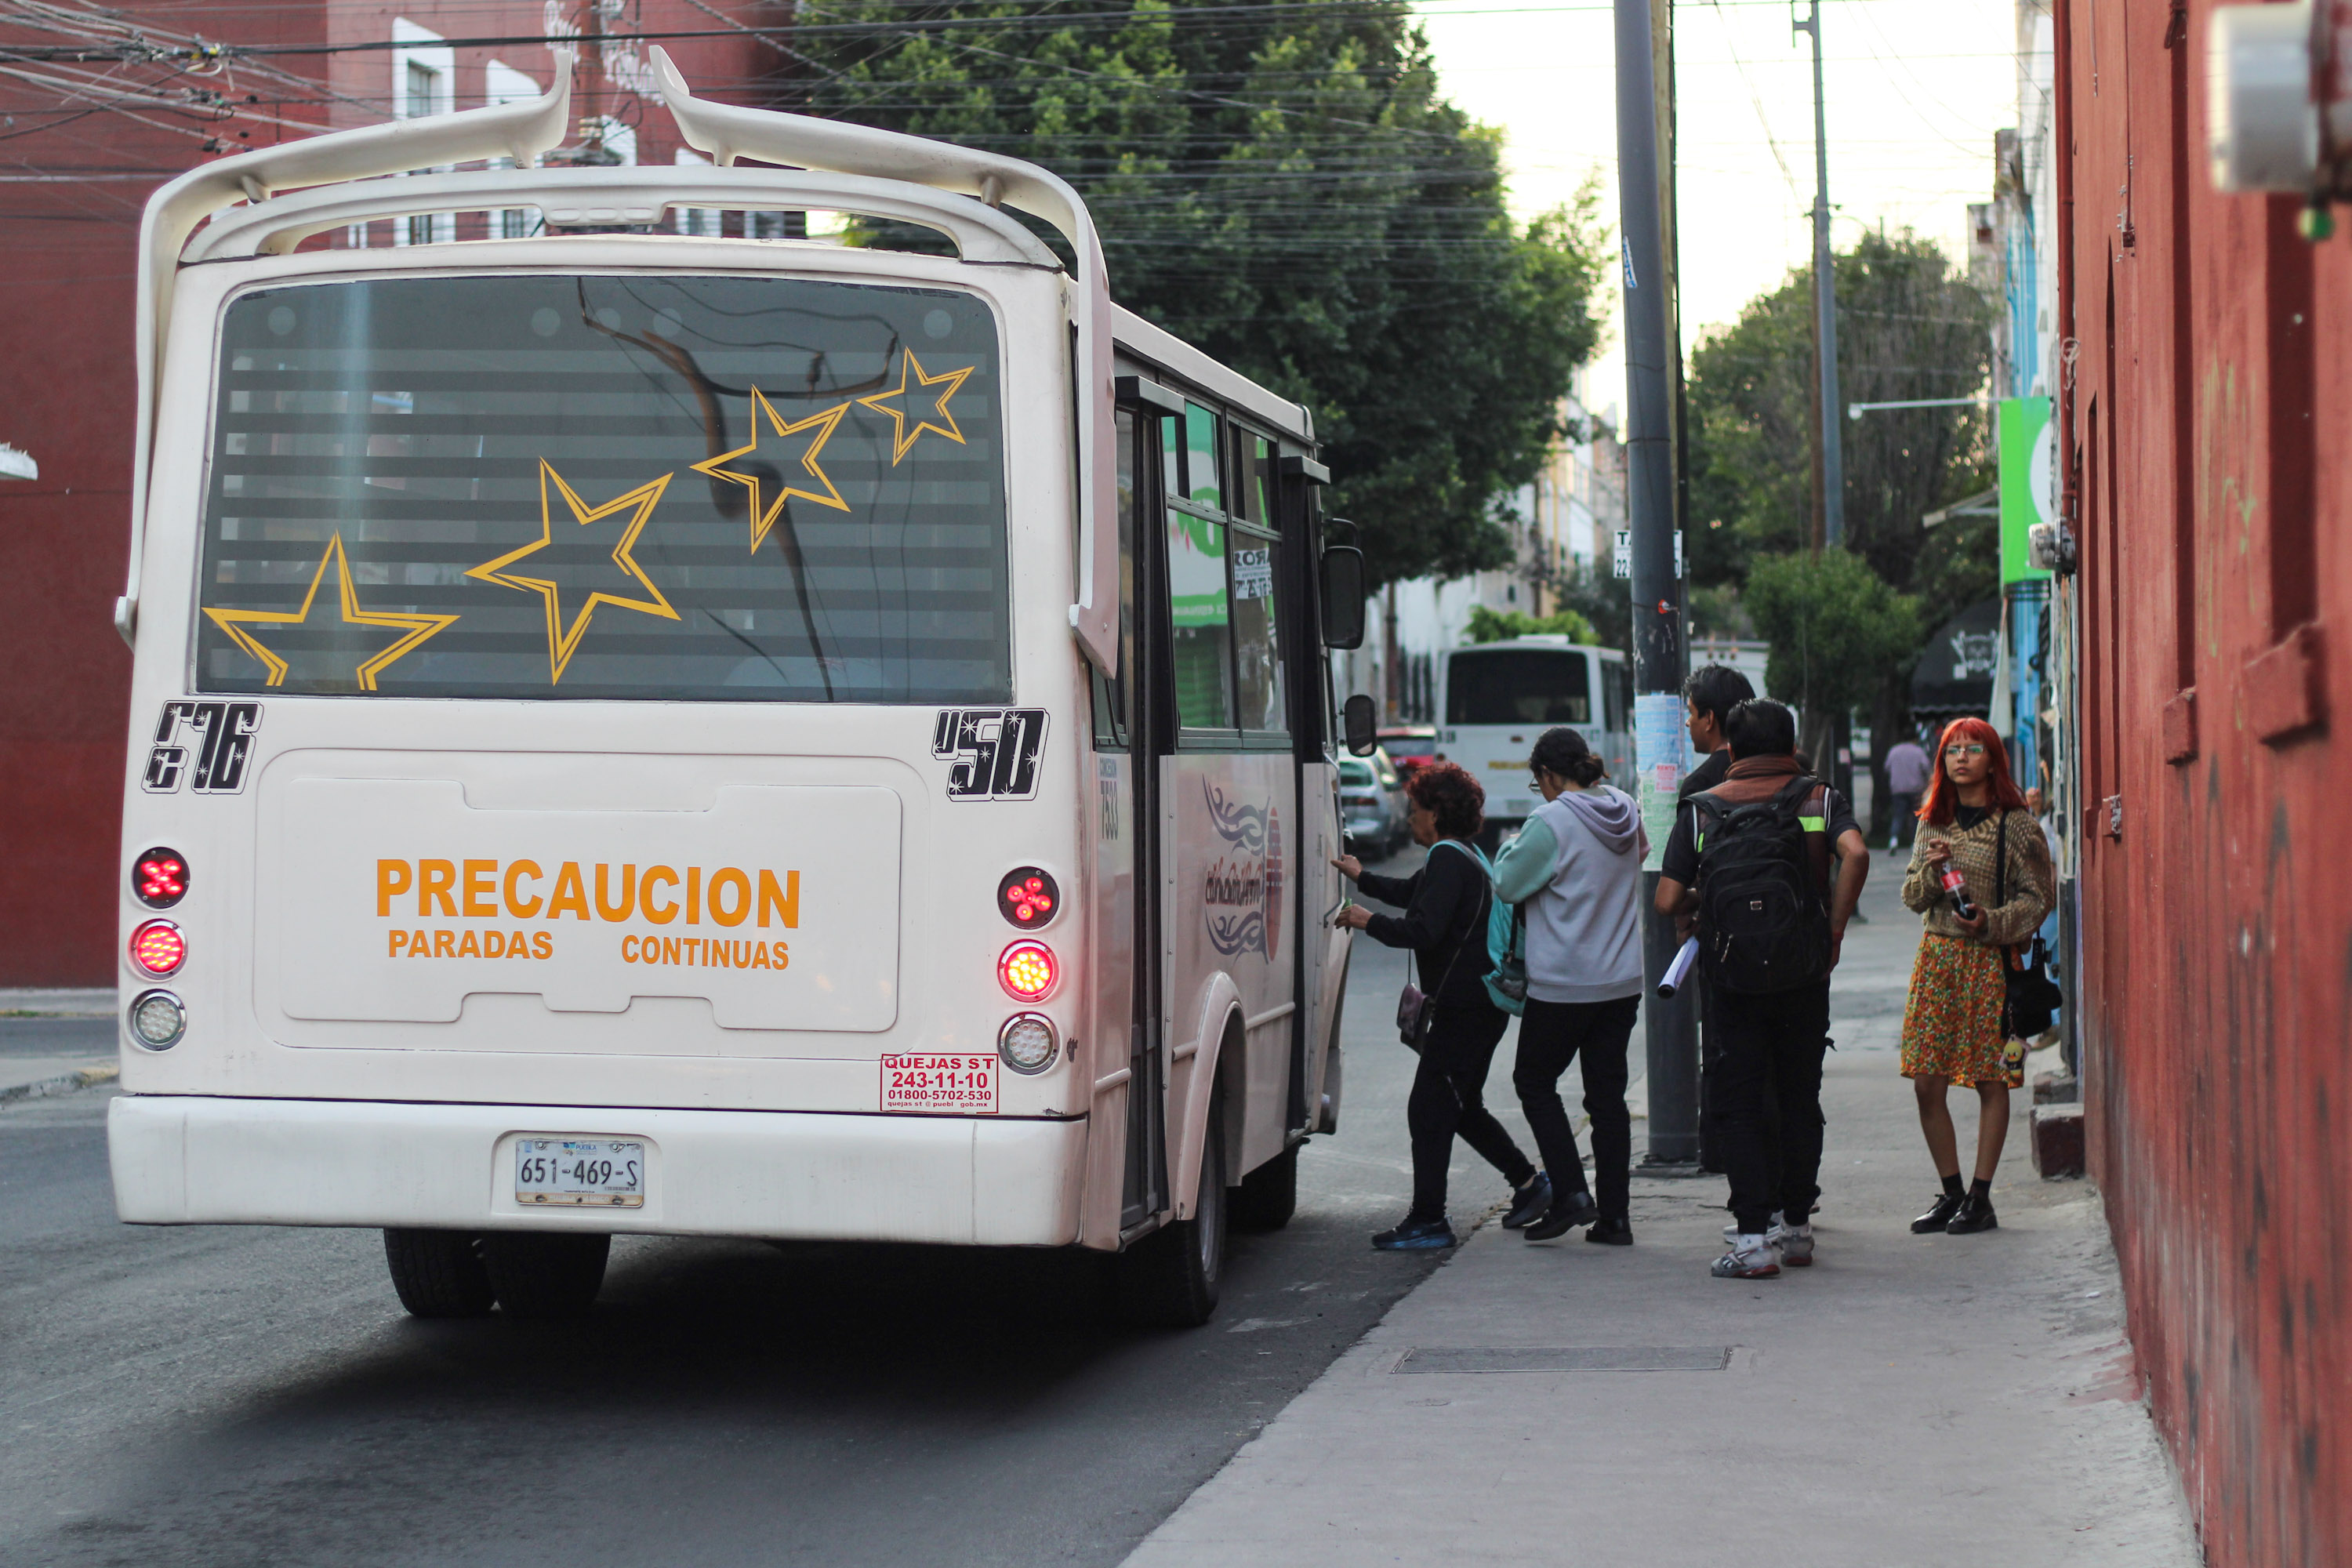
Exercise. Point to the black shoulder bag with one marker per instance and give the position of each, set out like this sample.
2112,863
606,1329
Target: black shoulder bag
2031,997
1416,1009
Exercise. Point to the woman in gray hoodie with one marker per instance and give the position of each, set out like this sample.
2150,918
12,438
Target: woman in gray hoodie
1576,871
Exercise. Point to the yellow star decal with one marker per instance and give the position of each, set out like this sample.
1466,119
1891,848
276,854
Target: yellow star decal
562,639
903,437
764,511
417,627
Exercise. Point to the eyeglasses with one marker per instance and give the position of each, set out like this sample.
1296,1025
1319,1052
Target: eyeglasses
1972,749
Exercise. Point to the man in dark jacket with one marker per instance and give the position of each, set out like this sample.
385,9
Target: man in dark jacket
1708,697
1766,1086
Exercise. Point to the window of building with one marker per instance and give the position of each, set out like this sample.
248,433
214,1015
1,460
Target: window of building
424,82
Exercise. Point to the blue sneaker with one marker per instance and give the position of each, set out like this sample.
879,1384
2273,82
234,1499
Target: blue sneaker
1416,1236
1529,1203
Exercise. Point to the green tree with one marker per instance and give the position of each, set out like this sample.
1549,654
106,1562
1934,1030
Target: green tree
1835,627
1497,625
1910,325
1291,193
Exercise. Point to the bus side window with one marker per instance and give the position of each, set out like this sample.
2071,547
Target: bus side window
1257,553
1203,485
1200,621
1257,656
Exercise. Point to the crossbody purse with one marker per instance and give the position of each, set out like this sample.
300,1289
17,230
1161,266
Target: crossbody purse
1414,1007
2029,996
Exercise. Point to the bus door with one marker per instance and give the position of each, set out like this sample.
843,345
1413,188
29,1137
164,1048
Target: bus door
1323,945
1129,741
1231,847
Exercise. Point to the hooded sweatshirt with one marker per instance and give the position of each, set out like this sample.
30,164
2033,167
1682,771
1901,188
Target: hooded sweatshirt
1576,868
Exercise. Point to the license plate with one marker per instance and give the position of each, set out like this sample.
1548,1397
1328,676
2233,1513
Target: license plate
948,1084
580,1173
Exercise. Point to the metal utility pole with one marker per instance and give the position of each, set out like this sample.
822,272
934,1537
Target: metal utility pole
1831,455
1826,305
1658,630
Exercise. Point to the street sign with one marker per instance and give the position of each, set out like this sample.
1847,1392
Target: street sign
1624,553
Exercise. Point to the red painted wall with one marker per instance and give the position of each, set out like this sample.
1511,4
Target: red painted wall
72,189
2208,425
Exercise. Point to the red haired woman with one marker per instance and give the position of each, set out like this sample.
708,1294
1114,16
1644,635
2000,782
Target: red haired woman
1973,818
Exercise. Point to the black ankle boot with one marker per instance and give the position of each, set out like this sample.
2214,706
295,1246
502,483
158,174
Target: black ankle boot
1975,1214
1569,1210
1939,1217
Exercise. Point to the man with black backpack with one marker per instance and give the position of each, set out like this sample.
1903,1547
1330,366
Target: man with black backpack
1750,866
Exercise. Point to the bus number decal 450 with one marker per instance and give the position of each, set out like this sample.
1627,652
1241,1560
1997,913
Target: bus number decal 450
996,752
217,737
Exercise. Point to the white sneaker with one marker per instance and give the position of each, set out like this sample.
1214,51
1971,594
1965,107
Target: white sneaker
1796,1243
1752,1256
1731,1231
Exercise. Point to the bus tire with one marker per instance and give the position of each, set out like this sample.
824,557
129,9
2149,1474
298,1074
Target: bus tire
1170,1280
545,1273
1268,1195
438,1274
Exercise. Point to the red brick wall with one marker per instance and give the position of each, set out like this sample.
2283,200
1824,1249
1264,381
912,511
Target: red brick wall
2206,424
71,191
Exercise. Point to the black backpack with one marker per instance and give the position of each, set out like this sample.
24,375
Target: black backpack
1763,923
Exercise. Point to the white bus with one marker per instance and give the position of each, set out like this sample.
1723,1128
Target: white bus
648,732
1495,698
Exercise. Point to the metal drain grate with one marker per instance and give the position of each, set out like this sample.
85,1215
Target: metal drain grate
1578,1358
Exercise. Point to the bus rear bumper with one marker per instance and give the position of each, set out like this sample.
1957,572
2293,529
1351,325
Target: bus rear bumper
199,1159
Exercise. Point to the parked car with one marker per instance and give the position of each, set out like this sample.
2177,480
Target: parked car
1409,746
1372,811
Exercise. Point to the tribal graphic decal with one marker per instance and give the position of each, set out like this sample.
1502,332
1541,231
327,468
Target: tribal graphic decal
1242,890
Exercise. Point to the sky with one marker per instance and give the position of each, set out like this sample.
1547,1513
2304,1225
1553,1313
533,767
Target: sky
1915,90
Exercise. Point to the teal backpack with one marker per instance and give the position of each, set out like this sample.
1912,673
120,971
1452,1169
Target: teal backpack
1506,943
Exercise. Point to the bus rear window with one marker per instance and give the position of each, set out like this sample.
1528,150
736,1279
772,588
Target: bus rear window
1519,686
702,488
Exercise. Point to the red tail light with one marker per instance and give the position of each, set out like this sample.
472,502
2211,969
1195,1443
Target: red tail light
1028,971
160,878
1027,897
158,948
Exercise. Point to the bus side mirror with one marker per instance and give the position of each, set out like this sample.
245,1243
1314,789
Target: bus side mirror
1360,725
1342,592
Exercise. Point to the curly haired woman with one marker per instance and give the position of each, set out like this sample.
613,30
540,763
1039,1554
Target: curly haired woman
1972,817
1445,925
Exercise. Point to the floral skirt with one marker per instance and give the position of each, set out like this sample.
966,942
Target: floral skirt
1951,1021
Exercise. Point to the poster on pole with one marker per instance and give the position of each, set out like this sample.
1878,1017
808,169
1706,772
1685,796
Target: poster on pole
1659,748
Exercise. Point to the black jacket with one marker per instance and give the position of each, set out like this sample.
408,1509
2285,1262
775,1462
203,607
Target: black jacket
1445,903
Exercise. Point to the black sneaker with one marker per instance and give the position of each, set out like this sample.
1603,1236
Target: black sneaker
1528,1203
1567,1213
1940,1217
1975,1214
1611,1233
1416,1236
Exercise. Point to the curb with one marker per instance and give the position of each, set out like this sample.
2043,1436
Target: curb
64,1083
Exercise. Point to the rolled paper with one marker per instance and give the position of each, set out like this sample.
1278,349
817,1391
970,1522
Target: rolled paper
1679,970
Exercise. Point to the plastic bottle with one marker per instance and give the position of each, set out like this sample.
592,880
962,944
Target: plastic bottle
1956,887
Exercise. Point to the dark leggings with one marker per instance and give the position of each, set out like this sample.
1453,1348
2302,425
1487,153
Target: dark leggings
1552,1035
1449,1095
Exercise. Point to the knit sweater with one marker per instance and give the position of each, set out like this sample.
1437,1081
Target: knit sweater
1973,851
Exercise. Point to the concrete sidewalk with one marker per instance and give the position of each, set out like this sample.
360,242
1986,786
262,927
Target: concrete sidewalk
1908,1400
54,1042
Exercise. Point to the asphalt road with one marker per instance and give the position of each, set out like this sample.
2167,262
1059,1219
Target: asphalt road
222,1395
